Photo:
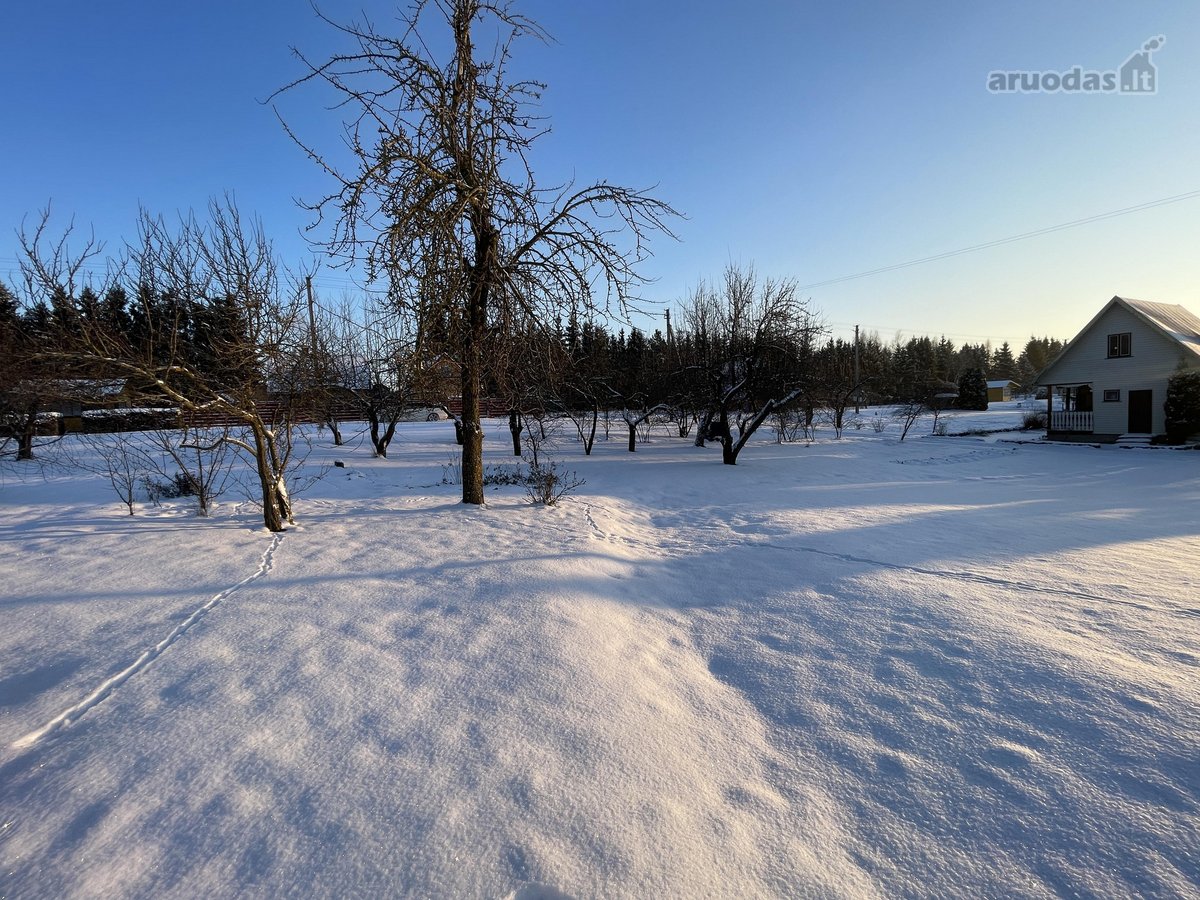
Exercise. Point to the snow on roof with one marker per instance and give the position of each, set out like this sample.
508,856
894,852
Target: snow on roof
1171,318
1003,382
88,388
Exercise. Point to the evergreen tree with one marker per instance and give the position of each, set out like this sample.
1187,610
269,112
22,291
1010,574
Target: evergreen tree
114,310
9,317
1038,353
1182,405
1004,365
972,390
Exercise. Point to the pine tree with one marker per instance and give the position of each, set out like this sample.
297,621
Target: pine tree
1003,363
972,390
1182,405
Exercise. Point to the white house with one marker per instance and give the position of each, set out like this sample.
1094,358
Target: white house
1112,378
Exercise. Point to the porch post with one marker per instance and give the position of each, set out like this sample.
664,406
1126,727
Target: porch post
1049,408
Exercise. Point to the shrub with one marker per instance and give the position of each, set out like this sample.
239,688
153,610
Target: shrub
503,473
452,470
1182,405
1034,421
546,484
158,489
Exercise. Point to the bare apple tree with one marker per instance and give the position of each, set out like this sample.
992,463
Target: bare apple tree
217,334
752,342
441,202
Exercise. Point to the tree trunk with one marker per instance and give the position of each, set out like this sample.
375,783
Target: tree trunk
591,439
729,450
334,430
473,338
472,430
276,507
381,442
373,421
271,516
25,443
632,435
515,428
702,430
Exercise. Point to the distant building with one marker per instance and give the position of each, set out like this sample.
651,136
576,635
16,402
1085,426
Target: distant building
999,391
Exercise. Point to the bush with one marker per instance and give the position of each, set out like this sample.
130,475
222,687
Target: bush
494,475
452,470
158,489
503,473
1034,421
1182,405
546,484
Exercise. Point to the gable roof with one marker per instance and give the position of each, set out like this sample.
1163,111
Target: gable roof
1170,319
1003,382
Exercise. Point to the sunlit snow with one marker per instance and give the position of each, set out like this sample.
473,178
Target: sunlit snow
950,666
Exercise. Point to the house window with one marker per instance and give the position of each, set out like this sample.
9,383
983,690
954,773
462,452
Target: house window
1120,345
1112,396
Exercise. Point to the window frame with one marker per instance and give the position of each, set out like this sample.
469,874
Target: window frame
1112,396
1122,343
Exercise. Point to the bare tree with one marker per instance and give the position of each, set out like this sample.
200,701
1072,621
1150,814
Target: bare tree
34,327
374,365
442,202
201,457
638,416
752,340
245,361
121,458
908,413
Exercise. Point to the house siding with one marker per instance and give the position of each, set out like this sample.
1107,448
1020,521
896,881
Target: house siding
1154,358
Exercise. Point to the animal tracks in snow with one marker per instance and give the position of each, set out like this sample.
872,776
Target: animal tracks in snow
969,456
110,684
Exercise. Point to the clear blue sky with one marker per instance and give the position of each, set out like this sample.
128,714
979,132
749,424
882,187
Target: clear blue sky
814,140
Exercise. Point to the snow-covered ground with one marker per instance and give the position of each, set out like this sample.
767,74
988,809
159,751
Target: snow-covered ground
952,666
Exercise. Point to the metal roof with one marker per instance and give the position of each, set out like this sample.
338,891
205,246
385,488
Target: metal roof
1172,319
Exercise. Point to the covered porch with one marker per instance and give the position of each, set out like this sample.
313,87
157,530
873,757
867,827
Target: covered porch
1069,409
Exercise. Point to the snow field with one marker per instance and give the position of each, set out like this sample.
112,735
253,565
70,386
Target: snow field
858,668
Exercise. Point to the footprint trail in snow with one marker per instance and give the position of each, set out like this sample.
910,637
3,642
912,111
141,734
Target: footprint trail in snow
97,696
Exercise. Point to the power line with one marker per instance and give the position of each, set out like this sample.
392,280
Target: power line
1099,217
918,331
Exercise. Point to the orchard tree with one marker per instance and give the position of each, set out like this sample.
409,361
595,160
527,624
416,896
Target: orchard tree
754,346
252,344
440,200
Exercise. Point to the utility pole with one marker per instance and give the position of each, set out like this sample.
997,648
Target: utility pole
857,391
667,313
312,319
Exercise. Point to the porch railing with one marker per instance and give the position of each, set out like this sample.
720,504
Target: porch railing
1073,420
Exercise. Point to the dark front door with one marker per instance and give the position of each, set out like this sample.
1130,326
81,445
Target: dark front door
1140,412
